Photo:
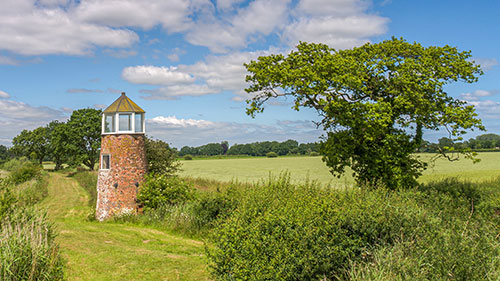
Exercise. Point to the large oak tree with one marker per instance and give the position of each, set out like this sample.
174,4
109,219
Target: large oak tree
375,101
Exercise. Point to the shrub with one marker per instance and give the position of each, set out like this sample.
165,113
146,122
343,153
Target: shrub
285,232
271,154
7,199
27,248
188,157
159,190
314,153
14,163
211,206
160,157
32,192
27,171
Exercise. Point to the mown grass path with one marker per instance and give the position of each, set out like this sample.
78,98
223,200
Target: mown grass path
113,251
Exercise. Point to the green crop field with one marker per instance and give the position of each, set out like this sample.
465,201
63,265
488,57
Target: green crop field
312,168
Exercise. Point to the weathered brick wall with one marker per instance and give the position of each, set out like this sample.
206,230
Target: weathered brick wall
127,167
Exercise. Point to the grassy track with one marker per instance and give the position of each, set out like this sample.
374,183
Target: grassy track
301,168
112,251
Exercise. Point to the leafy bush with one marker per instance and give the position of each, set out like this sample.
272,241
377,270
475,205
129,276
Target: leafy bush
286,232
271,154
211,206
27,248
314,153
14,163
32,192
27,171
188,157
161,158
159,190
7,199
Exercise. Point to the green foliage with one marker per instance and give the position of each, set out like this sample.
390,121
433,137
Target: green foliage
88,180
7,199
25,172
14,163
59,148
286,232
159,190
161,158
84,137
271,154
33,144
375,100
31,192
27,247
188,157
314,153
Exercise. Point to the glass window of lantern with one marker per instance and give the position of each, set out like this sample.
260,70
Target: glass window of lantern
138,122
125,122
109,123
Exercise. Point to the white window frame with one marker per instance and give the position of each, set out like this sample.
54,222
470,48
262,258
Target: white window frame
102,161
117,123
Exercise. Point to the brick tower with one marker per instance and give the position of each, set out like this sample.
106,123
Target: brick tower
122,163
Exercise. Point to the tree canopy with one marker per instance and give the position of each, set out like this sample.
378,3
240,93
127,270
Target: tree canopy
84,138
375,101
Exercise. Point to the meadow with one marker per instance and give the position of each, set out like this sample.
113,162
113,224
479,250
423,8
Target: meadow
166,244
303,168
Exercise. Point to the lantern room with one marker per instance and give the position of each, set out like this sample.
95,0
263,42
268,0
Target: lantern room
123,117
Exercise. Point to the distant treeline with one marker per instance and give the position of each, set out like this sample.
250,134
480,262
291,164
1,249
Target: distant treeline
486,142
289,147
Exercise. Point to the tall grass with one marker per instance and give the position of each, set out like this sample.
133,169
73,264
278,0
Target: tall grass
27,247
88,180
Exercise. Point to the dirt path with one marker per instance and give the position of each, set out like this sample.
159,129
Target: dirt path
112,251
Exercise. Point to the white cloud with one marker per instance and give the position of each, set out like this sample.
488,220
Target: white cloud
153,75
16,116
331,7
337,32
260,17
8,61
120,53
485,63
214,75
193,132
476,95
176,91
31,29
173,15
174,122
4,95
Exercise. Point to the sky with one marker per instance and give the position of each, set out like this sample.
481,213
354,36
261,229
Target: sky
182,60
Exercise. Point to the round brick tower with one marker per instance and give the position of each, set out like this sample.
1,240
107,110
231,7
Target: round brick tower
122,163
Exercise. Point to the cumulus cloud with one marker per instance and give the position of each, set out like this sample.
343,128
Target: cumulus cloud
154,75
31,29
82,91
476,95
172,15
174,130
4,95
338,23
214,75
16,116
260,17
485,63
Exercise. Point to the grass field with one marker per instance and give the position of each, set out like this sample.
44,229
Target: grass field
116,251
312,168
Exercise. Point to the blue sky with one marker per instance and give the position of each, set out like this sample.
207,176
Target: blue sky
181,60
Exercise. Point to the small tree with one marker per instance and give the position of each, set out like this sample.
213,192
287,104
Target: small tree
84,136
161,158
59,148
374,100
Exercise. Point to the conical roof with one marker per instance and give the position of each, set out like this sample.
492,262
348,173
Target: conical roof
123,104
